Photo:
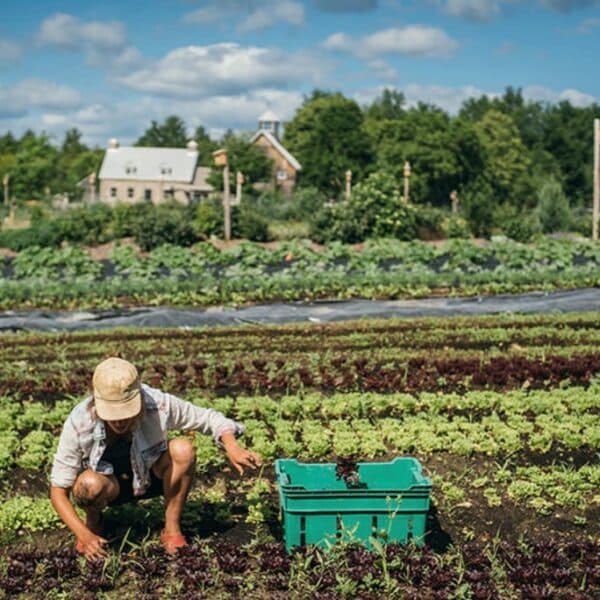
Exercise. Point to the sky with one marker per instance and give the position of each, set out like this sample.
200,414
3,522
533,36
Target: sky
109,68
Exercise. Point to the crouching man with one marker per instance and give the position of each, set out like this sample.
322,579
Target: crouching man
114,449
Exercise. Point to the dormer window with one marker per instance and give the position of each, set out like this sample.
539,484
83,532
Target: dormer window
130,169
166,171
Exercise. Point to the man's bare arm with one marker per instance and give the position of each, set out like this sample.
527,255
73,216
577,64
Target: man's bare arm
66,511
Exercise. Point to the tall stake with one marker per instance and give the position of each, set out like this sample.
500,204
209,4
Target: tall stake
407,174
596,209
348,184
226,204
5,181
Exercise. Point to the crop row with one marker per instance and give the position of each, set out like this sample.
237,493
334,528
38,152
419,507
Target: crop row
46,354
342,373
364,425
532,341
258,287
453,256
550,569
25,356
202,275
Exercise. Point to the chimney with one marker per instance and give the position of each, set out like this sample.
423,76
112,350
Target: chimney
113,143
192,146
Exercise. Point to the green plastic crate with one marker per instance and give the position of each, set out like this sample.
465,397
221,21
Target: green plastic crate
390,502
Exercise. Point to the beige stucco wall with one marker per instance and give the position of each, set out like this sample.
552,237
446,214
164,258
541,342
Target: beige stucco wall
157,189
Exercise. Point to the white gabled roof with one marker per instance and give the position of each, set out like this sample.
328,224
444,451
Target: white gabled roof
275,142
149,164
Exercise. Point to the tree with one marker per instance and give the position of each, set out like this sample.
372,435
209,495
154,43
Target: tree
171,134
443,154
568,137
375,209
478,206
206,146
7,164
553,208
8,144
389,106
72,143
326,136
506,159
35,166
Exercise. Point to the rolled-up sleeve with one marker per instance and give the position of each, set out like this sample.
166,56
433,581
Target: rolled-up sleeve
68,458
188,417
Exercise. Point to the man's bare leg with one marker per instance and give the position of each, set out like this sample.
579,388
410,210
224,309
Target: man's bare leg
93,491
176,469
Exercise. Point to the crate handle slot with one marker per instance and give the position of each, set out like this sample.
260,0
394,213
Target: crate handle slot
303,531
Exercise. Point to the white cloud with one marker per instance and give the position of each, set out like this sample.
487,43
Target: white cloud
256,15
588,25
448,98
379,68
473,10
506,48
52,119
486,10
267,16
35,93
9,52
346,5
222,70
415,40
544,94
451,99
104,43
66,31
127,120
566,6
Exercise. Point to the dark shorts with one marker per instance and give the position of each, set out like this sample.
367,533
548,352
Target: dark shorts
126,489
122,471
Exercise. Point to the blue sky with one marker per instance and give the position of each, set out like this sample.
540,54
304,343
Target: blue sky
109,68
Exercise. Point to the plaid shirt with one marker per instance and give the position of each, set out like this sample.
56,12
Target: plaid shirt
83,438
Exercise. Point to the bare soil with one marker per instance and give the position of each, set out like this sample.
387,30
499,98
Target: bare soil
447,523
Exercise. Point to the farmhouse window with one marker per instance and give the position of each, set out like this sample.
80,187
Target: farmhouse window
113,192
130,192
282,175
148,195
169,194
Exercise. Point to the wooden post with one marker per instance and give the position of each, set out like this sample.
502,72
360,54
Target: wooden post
454,201
226,205
221,160
92,184
10,205
348,184
407,174
596,207
5,181
239,180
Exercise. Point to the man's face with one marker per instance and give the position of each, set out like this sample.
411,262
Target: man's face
123,425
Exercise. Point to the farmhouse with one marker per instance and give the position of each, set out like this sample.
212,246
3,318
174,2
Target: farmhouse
139,174
131,174
286,167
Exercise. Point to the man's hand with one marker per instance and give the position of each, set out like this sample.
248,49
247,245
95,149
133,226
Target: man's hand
239,457
91,546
